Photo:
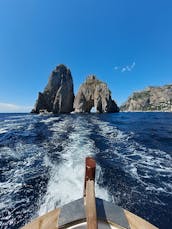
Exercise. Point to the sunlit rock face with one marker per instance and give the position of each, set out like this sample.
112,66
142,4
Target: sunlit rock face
150,99
58,95
94,93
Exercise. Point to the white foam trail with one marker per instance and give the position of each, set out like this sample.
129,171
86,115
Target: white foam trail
151,161
51,119
66,182
3,130
15,123
18,169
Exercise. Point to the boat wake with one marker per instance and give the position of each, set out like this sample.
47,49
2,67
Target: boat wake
66,180
42,166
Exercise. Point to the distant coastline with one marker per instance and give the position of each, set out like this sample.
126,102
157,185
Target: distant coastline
151,99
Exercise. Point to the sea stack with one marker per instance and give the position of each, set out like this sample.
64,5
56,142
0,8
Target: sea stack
58,95
94,93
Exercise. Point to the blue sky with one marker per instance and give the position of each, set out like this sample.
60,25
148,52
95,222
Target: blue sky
126,43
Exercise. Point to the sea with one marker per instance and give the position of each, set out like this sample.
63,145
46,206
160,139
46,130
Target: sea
42,163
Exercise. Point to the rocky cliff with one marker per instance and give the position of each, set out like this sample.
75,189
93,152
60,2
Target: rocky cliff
150,99
58,95
94,93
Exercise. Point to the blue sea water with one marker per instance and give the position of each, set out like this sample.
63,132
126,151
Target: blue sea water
42,163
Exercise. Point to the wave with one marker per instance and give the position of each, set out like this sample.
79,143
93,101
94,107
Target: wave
66,180
148,166
42,163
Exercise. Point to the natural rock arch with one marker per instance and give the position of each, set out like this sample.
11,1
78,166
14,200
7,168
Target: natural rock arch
94,93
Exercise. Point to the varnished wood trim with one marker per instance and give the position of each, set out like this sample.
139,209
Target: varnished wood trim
136,222
90,207
47,221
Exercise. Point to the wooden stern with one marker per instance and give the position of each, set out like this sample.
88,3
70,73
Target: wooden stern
89,212
47,221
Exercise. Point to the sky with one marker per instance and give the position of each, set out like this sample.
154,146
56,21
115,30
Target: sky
126,43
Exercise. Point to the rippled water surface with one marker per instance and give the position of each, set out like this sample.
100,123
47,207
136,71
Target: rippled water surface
42,163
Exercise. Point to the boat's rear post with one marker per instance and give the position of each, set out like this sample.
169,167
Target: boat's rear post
90,170
89,194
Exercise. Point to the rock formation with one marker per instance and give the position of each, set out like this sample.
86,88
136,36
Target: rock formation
94,93
58,95
150,99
